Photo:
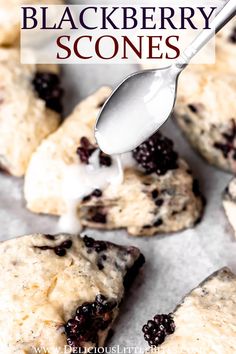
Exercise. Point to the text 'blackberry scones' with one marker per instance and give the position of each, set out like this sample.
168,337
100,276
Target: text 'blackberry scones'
58,291
205,322
10,18
30,107
158,193
206,103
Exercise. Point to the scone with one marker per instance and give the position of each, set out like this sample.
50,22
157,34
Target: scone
10,18
158,193
206,104
30,107
206,112
61,292
205,322
229,203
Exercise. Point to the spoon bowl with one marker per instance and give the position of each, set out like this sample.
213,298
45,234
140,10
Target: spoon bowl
151,94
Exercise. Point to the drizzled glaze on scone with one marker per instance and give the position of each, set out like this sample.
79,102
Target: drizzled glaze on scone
53,300
69,176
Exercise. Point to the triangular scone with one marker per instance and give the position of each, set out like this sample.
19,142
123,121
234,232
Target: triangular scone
229,203
29,109
205,322
10,26
145,204
206,104
58,291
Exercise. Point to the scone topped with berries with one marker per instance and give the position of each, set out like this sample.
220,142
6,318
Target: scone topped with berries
30,109
157,194
61,292
205,322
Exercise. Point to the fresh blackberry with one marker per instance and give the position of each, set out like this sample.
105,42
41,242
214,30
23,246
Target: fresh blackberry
49,89
89,319
156,330
156,155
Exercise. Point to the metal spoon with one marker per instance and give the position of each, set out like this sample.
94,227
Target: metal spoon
144,100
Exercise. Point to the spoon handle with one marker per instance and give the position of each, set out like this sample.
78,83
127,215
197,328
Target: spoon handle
223,16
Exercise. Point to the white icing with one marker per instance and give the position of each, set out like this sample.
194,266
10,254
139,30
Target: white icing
80,180
135,111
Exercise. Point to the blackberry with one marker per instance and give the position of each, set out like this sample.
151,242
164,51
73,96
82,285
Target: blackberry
156,155
86,149
49,89
98,246
89,319
156,330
